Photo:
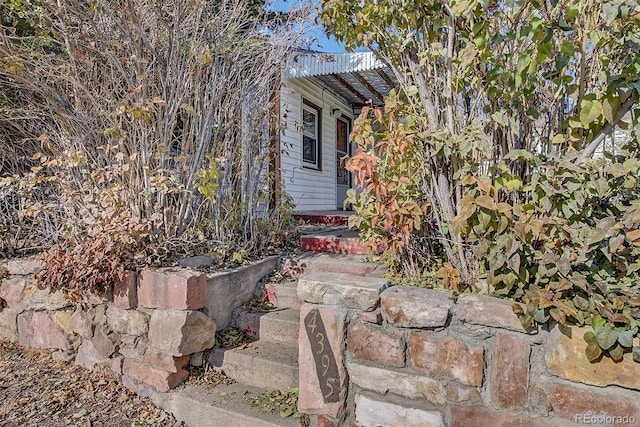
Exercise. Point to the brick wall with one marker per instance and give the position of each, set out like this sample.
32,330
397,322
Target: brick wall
147,329
416,358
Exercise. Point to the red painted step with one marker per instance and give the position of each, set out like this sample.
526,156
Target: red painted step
324,218
339,241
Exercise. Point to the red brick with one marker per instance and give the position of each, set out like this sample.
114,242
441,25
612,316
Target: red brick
569,402
474,416
370,316
160,379
125,294
165,361
373,343
447,357
510,372
180,289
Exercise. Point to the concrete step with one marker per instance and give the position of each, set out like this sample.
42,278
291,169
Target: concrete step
261,364
284,294
223,405
354,264
280,326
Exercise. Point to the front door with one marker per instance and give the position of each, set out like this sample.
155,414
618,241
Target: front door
343,178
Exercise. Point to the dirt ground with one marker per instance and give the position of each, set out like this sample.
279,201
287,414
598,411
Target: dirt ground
36,390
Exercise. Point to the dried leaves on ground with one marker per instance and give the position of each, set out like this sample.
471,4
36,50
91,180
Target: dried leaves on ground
39,391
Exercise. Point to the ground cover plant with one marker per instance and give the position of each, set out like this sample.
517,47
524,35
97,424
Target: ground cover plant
136,131
511,148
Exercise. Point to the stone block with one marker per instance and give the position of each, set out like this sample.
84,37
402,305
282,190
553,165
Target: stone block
411,307
129,322
566,358
510,372
125,295
575,404
489,311
228,290
374,413
175,288
11,290
403,383
360,293
370,316
539,403
9,324
373,343
181,332
324,422
88,357
34,298
23,321
45,333
474,416
447,357
103,344
63,319
161,380
164,361
116,364
24,266
80,323
322,375
458,394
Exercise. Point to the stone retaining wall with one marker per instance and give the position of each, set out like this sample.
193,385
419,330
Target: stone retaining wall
148,329
404,356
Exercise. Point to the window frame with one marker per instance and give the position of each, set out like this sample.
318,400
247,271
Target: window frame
317,112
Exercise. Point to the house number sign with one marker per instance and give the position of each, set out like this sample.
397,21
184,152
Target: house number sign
326,367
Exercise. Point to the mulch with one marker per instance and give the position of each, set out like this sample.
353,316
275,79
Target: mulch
37,390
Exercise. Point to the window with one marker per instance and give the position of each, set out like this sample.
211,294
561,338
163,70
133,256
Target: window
310,135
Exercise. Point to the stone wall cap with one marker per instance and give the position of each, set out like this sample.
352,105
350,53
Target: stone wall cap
344,279
487,310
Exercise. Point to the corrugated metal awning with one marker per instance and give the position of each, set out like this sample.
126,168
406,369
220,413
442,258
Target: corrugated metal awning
360,77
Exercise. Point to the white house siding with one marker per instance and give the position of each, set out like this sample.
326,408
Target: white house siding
310,189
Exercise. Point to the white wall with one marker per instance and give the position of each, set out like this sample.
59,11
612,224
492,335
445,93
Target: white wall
310,189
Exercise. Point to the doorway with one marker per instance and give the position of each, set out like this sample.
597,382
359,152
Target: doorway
343,177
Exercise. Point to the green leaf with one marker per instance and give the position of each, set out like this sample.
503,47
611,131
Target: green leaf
590,111
606,336
590,337
610,108
609,11
636,354
625,338
617,353
593,352
411,90
571,12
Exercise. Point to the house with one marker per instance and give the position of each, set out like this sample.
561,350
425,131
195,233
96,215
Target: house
321,95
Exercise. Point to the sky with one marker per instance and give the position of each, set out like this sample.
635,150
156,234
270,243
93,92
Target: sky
321,42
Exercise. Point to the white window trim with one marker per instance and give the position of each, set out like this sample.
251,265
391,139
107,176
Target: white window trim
310,108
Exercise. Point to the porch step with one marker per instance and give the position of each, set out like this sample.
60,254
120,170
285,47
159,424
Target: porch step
340,241
324,218
284,294
224,405
262,364
354,264
279,326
